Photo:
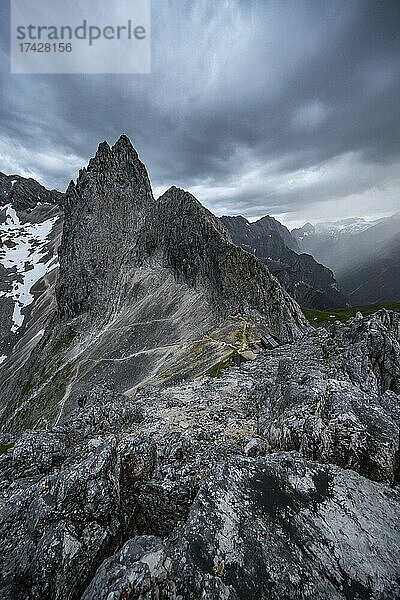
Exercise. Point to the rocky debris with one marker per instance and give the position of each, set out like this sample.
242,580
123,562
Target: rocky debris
327,402
269,528
36,453
140,569
57,529
116,468
371,354
100,409
308,282
331,420
181,492
258,230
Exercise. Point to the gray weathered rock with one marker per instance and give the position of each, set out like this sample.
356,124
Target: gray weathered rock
272,528
160,487
327,401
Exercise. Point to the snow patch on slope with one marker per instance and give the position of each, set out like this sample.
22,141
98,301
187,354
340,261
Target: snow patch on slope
23,248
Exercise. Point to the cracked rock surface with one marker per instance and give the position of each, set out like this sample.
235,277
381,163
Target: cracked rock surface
278,479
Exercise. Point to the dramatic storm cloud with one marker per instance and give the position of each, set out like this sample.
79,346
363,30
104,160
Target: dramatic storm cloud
256,106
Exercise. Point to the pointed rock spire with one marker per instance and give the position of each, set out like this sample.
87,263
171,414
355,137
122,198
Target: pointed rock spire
104,211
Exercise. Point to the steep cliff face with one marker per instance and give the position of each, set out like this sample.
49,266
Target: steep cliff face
308,282
197,248
104,212
147,291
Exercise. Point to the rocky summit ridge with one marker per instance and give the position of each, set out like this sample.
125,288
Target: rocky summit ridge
144,456
148,291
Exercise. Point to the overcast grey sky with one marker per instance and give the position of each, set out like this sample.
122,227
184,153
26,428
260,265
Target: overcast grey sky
288,108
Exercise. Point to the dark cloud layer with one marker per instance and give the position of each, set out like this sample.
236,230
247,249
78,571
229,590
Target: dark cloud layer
256,106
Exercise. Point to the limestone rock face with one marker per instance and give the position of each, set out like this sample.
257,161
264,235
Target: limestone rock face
372,350
268,529
338,402
104,212
193,243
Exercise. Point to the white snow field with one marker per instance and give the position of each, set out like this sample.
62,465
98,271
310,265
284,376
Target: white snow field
23,248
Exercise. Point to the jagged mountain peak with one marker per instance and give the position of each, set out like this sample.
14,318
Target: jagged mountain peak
190,211
124,142
115,172
25,193
104,211
235,217
308,226
268,219
118,167
148,290
121,146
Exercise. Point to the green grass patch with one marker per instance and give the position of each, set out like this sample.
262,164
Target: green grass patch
216,370
324,317
5,447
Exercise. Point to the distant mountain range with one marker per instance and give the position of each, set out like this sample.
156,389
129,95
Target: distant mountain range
308,282
362,254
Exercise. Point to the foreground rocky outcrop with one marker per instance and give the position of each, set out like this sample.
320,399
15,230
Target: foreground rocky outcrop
341,404
278,479
268,528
